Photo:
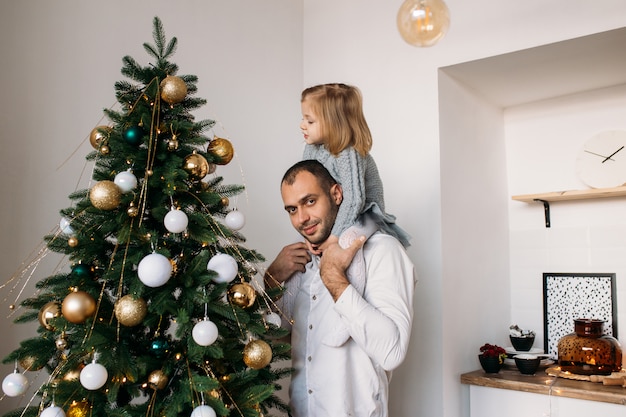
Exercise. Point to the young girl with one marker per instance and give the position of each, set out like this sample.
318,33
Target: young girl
337,135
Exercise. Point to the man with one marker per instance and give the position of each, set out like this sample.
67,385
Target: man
338,375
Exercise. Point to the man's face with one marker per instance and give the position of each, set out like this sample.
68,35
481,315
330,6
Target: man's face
312,210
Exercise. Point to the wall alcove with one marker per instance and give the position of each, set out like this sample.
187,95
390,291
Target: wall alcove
476,237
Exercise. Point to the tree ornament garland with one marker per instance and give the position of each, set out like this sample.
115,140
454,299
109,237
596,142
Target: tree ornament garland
105,195
173,89
222,149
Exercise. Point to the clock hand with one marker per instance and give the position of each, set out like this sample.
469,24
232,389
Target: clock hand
597,154
609,157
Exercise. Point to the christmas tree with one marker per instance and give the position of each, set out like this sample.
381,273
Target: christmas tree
158,311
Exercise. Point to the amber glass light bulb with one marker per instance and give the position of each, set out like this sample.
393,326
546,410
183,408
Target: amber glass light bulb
423,22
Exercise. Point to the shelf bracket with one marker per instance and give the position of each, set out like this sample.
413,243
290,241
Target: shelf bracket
546,210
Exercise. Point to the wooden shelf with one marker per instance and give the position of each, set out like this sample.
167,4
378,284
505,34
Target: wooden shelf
573,195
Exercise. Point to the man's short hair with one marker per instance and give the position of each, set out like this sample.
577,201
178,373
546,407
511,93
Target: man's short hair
312,166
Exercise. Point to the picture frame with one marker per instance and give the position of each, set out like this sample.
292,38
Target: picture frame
571,296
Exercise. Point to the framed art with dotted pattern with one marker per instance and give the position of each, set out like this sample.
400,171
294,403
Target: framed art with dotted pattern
571,296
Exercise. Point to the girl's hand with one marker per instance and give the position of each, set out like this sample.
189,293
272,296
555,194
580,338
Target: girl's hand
319,249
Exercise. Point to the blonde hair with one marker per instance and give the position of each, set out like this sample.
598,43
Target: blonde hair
342,122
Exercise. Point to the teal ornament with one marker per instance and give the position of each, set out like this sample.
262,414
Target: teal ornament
81,271
133,135
159,347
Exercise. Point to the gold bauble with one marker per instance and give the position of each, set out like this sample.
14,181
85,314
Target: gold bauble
61,342
72,242
173,89
78,306
104,150
79,409
105,195
225,202
29,363
196,166
257,354
130,311
222,149
99,135
48,312
242,295
157,379
73,374
132,211
172,144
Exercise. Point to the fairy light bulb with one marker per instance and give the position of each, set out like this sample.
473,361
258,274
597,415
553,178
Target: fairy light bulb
423,22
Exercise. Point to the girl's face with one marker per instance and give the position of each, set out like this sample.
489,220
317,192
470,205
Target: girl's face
310,125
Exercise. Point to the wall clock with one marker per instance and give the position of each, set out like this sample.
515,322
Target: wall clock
602,161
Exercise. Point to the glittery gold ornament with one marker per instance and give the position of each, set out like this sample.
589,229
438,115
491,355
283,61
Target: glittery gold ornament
99,136
79,409
196,166
130,311
157,379
257,354
242,295
73,374
222,149
29,363
78,306
105,195
173,89
48,312
72,242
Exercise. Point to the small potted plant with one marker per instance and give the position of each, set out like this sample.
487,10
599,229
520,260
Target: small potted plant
491,358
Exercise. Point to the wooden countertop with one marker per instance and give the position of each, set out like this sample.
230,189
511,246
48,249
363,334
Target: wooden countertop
542,383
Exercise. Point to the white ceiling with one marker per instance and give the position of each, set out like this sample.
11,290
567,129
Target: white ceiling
548,71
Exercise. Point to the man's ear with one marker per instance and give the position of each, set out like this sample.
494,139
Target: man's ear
336,193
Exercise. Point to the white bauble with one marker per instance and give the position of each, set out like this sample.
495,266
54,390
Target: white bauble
52,411
14,384
176,221
66,229
273,318
154,270
93,376
203,411
126,181
235,220
204,332
225,266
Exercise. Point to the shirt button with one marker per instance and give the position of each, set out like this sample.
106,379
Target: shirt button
310,326
310,391
315,297
309,359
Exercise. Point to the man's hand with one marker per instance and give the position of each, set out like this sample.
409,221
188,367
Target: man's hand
333,265
291,259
